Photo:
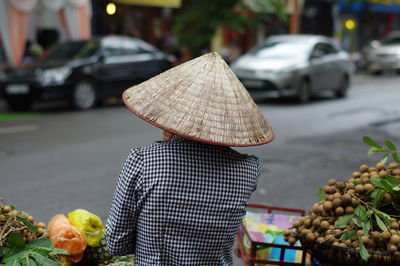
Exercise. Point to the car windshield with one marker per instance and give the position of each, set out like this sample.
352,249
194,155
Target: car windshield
280,49
393,40
72,50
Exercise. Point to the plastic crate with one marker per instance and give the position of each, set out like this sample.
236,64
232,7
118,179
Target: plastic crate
249,257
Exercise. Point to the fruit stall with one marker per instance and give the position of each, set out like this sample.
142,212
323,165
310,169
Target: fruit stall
355,222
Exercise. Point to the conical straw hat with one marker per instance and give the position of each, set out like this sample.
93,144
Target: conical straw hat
201,100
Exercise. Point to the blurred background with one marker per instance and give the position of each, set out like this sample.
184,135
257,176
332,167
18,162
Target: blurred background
323,72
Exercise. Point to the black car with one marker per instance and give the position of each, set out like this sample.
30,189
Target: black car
83,72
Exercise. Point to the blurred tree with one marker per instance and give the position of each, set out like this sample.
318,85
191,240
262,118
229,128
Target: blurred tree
196,25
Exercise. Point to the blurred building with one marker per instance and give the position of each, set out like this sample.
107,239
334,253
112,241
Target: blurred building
41,23
353,23
150,20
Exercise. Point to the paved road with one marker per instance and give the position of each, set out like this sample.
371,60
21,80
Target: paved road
61,160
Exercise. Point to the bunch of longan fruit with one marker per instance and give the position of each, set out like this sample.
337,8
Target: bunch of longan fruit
9,222
343,198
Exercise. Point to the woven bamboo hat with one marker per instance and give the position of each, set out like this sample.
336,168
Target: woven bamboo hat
202,100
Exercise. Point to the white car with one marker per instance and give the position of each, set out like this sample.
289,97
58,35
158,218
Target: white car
295,65
384,56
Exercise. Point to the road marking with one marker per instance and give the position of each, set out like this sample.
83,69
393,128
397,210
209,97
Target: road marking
17,129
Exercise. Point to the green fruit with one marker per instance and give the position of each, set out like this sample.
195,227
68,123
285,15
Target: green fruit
96,255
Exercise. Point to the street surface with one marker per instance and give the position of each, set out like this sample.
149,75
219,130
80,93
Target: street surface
57,160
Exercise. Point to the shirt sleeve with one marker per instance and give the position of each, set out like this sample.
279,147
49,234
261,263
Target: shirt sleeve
258,174
121,223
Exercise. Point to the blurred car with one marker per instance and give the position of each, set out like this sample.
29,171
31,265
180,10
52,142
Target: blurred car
83,72
295,65
383,56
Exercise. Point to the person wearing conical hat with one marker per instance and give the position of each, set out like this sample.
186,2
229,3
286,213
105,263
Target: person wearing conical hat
180,201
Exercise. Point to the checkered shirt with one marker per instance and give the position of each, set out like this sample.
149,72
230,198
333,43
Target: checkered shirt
180,203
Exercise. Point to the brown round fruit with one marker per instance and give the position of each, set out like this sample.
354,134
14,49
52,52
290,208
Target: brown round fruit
346,199
310,237
393,165
328,205
7,209
392,248
349,210
316,222
371,243
380,166
354,202
387,197
339,211
292,240
356,175
364,168
336,203
395,239
368,187
324,225
340,185
383,174
332,182
394,225
386,235
359,189
365,239
365,180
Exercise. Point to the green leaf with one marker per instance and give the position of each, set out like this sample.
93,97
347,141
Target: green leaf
12,263
361,212
371,142
396,188
381,224
366,227
17,256
31,227
390,145
356,182
372,150
379,196
55,251
392,180
344,220
11,251
41,242
12,207
384,216
349,234
28,262
388,187
363,251
2,251
15,240
384,158
321,194
395,157
41,260
376,181
357,221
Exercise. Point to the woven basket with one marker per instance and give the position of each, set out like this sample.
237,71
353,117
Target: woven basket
328,253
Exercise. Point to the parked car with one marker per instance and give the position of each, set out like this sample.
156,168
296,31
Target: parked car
383,56
295,65
84,72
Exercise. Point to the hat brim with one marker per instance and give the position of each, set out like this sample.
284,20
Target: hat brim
191,137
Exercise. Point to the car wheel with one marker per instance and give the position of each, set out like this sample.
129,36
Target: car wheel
19,103
84,95
341,91
377,72
303,91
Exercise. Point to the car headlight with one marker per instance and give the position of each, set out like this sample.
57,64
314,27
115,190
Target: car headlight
54,76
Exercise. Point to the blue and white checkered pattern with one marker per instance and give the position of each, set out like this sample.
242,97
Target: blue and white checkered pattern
180,203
